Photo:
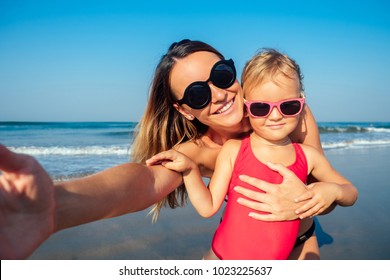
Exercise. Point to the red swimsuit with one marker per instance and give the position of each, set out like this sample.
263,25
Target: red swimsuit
242,237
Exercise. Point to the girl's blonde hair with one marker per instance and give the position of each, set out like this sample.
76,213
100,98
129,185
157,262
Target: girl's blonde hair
266,64
162,127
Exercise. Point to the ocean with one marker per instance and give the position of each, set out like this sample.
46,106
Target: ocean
360,151
74,149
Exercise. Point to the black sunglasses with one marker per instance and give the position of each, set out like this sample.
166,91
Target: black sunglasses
198,94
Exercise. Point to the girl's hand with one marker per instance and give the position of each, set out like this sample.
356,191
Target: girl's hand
278,199
318,199
26,205
173,160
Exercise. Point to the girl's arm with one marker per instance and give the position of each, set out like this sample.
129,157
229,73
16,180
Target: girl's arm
207,201
219,182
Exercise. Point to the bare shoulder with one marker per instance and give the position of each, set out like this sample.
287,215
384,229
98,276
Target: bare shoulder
230,148
310,150
232,143
313,155
202,154
192,149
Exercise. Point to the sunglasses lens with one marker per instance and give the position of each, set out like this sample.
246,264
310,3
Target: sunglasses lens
198,96
290,108
223,75
259,109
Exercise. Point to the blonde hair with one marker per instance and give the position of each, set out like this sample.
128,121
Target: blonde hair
266,64
162,127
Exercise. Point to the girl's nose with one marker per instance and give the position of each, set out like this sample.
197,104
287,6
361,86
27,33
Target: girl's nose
275,114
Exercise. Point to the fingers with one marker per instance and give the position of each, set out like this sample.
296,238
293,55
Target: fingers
254,195
265,217
261,207
160,158
280,168
254,205
305,212
310,209
305,196
260,184
10,161
4,186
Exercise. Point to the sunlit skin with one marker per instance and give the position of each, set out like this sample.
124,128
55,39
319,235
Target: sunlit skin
270,143
132,187
274,126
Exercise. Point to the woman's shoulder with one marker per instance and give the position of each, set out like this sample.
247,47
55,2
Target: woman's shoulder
197,150
190,147
202,154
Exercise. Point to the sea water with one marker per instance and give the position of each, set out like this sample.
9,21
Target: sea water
74,149
69,150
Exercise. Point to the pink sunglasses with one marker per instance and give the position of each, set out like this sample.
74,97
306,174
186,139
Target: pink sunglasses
262,109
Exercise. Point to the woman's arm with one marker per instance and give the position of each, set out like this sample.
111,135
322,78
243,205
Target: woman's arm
119,190
307,131
30,204
321,196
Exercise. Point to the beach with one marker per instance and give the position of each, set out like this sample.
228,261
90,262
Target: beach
360,232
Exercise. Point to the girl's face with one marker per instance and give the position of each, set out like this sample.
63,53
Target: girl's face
226,108
275,127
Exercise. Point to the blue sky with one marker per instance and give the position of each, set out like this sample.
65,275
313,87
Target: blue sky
94,60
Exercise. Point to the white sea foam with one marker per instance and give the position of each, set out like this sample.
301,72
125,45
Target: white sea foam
355,144
376,129
71,151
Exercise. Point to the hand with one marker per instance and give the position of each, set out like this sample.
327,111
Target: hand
278,199
173,160
26,205
318,199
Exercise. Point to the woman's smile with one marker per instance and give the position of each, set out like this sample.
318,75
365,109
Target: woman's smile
225,107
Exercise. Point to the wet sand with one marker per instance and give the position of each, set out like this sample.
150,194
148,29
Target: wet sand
361,232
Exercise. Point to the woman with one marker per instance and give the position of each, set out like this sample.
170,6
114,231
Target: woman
209,114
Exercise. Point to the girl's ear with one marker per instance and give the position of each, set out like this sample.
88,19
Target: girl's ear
184,112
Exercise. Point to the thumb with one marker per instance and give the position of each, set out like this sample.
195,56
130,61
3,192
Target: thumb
10,161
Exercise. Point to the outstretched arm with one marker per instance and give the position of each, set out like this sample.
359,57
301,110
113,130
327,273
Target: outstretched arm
116,191
30,204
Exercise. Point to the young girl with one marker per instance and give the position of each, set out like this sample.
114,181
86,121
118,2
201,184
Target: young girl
272,84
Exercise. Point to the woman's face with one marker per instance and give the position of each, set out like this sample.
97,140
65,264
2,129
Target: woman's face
226,107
